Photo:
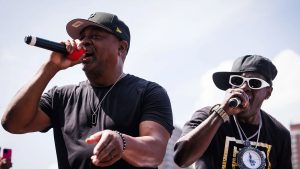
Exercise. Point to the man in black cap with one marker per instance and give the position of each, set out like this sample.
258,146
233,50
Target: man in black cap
237,133
112,120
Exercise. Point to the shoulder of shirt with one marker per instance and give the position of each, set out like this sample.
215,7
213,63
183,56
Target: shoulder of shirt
66,87
202,113
204,110
133,78
273,123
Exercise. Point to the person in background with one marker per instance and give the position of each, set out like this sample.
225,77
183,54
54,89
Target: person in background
112,120
237,133
5,159
5,163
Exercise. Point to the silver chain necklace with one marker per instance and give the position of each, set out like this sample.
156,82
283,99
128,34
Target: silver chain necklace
249,157
94,113
247,139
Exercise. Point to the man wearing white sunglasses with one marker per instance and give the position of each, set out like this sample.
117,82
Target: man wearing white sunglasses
236,133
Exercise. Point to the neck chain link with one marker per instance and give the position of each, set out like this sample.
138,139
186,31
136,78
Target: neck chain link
247,139
94,113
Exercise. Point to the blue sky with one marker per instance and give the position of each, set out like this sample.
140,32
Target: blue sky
176,43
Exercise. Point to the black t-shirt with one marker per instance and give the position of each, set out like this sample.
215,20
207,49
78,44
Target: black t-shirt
274,142
70,108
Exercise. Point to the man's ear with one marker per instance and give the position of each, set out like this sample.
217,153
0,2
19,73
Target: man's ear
269,92
123,48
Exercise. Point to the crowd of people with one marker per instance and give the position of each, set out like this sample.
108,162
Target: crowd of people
117,120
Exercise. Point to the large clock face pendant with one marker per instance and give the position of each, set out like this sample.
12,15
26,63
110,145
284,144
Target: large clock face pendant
251,158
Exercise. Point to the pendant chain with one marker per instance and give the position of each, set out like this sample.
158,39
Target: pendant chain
94,114
248,138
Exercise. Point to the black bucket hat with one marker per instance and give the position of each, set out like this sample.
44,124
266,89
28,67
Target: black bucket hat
248,63
106,21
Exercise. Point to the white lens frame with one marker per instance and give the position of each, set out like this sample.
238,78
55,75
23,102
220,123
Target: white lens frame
247,79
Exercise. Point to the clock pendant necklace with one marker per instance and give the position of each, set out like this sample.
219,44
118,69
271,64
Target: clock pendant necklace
94,113
250,157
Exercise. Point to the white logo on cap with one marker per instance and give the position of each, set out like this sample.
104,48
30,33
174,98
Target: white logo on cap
77,24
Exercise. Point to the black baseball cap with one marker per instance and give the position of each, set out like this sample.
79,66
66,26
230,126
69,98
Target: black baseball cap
247,63
106,21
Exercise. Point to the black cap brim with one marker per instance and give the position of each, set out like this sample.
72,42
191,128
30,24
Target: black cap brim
221,79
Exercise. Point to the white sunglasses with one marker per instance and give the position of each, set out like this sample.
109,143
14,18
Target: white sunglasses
253,83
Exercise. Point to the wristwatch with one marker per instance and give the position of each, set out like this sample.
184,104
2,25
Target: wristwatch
217,108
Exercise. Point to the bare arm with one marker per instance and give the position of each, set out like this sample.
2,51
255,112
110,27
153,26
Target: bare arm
147,150
23,114
193,145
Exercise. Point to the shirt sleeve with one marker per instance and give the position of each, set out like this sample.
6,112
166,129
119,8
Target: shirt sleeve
198,117
46,105
157,106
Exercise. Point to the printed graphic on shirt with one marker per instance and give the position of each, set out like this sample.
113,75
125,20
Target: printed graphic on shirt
232,148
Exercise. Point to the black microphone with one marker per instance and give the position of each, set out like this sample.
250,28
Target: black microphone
234,102
54,46
46,44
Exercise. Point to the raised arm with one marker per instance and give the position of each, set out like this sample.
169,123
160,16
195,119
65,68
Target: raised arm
193,145
23,114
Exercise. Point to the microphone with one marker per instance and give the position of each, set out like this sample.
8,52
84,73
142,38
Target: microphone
53,46
234,102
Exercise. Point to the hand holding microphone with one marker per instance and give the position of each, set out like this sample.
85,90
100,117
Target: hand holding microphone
234,102
54,46
237,98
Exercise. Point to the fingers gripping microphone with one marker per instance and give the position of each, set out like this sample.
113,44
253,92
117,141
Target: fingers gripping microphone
53,46
234,102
